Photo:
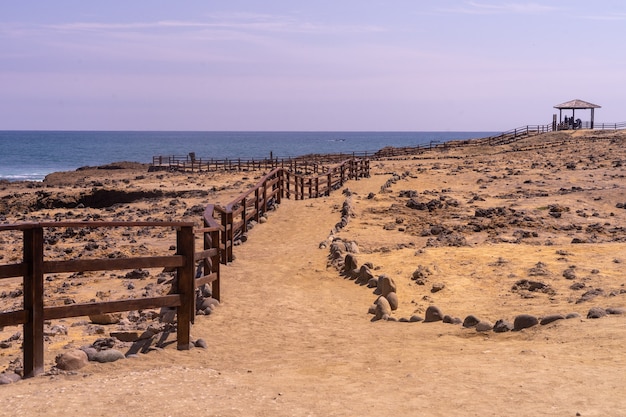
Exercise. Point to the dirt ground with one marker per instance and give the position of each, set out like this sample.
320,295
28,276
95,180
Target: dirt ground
293,337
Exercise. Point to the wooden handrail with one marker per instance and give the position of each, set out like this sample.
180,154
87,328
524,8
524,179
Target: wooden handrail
33,268
279,183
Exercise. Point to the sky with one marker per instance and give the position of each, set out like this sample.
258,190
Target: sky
324,65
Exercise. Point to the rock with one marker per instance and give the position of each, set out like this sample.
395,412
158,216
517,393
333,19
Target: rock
364,276
415,319
438,286
588,295
471,321
9,378
210,303
569,273
433,313
596,313
502,326
382,308
106,318
90,351
551,318
392,297
350,264
126,336
72,360
524,321
451,320
108,355
617,310
372,283
483,326
572,316
167,315
386,285
201,343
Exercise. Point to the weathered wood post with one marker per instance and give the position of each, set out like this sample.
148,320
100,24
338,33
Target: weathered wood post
33,301
329,182
185,282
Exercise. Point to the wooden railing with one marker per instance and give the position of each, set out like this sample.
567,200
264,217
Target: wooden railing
235,218
34,266
309,164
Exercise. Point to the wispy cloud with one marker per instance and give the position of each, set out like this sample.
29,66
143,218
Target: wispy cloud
472,7
234,21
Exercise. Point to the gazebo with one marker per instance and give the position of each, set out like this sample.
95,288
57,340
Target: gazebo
574,105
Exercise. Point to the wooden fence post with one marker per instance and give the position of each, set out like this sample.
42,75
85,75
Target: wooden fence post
33,302
330,181
186,287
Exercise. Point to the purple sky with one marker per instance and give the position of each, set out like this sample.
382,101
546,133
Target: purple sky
324,65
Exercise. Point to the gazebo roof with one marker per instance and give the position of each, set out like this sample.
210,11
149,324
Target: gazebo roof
576,104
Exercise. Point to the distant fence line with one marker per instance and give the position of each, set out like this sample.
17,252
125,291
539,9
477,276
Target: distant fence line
318,163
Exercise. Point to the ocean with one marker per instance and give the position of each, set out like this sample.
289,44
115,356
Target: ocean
31,155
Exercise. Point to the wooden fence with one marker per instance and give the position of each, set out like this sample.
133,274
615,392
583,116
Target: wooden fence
34,266
223,226
234,219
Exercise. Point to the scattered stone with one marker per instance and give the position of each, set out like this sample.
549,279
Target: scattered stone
372,283
9,378
382,308
392,298
596,313
551,318
569,273
421,274
201,343
617,310
451,320
437,287
126,336
433,313
108,355
483,326
415,319
471,321
502,326
364,276
386,285
350,268
532,286
106,318
572,316
588,295
524,321
72,360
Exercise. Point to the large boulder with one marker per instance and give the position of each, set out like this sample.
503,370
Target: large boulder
72,360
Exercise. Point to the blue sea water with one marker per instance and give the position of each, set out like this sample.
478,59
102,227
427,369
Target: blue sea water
31,155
